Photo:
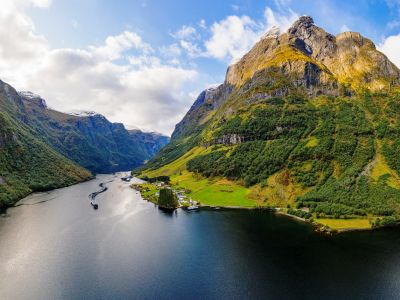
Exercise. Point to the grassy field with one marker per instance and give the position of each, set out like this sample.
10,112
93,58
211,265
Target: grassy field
216,192
342,224
178,165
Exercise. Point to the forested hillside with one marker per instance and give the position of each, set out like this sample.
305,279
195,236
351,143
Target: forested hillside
306,120
26,163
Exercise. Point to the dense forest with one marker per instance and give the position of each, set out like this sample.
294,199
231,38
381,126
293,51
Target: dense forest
343,150
27,164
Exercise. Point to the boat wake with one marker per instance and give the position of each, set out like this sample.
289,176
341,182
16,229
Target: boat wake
93,195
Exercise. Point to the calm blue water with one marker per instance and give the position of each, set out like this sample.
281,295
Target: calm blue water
128,249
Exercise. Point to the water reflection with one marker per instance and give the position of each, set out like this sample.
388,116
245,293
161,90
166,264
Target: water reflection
62,249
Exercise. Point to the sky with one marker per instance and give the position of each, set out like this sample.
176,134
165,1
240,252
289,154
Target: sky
143,62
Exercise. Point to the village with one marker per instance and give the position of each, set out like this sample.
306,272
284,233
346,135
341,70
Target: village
150,191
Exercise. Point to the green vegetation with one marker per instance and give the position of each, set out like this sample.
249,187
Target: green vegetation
214,192
92,142
299,213
165,179
329,148
148,191
338,155
167,199
27,164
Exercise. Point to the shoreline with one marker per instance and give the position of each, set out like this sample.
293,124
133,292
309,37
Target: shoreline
3,210
318,227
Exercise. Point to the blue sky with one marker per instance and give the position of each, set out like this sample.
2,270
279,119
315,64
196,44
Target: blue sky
155,20
142,62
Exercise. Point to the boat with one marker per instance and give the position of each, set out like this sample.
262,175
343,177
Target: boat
94,204
192,207
126,179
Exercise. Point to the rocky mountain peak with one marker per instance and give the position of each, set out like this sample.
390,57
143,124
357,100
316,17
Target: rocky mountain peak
273,32
315,60
34,98
303,21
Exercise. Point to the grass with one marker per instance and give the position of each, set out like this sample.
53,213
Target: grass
342,224
177,165
215,192
279,190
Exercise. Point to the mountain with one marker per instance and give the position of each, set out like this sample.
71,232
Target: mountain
88,138
305,120
41,148
26,163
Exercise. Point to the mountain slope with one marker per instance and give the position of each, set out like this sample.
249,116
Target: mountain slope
42,149
305,119
26,163
89,139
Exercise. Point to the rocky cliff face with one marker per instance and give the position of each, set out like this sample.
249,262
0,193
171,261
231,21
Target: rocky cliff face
346,59
206,102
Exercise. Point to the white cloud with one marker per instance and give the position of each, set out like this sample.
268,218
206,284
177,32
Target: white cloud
280,20
234,36
229,39
144,60
41,3
172,50
192,49
186,32
122,79
125,78
188,41
116,45
282,4
21,50
390,47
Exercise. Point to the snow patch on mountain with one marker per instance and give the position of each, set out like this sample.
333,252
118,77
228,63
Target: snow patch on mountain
83,113
32,97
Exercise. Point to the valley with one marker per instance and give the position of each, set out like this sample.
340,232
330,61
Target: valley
43,149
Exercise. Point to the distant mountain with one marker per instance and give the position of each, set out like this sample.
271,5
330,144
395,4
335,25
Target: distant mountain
88,138
42,148
305,119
